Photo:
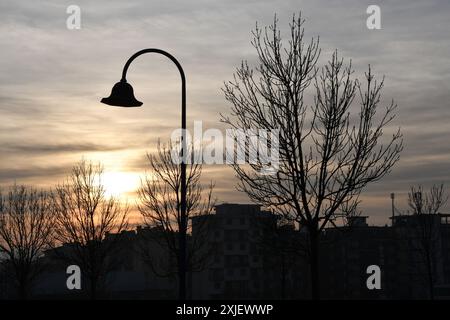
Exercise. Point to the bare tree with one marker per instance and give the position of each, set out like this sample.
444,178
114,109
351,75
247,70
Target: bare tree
326,154
26,227
425,207
160,207
85,218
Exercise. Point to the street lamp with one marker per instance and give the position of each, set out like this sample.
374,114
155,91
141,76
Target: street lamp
122,95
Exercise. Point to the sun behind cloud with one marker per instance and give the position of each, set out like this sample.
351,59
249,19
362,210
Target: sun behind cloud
119,184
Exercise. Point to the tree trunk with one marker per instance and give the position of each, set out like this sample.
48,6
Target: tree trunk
430,276
93,287
23,294
22,282
314,262
283,277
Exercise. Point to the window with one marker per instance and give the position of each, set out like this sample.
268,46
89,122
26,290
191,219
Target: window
229,221
228,235
243,261
227,261
216,274
242,235
254,274
242,221
242,246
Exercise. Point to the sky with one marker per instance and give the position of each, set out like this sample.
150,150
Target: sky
52,79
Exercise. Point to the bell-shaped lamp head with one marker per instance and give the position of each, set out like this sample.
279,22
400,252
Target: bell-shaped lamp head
122,95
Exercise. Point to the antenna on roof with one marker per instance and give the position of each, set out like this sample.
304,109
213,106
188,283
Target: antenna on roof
393,206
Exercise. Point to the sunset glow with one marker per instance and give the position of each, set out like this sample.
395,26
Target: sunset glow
53,80
120,184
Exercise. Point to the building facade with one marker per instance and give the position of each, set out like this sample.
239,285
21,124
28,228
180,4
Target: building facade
250,254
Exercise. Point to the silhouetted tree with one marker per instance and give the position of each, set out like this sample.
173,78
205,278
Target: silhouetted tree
85,218
160,207
26,231
327,155
425,207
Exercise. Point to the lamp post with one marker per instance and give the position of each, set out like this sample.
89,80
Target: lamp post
122,95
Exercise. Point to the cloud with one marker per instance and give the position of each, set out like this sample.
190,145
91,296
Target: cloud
31,172
27,149
52,78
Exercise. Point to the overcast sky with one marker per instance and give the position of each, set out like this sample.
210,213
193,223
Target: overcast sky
52,78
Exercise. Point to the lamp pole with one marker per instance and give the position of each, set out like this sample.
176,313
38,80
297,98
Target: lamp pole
124,87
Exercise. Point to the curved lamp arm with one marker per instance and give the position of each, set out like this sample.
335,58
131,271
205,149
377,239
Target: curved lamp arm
183,79
153,50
